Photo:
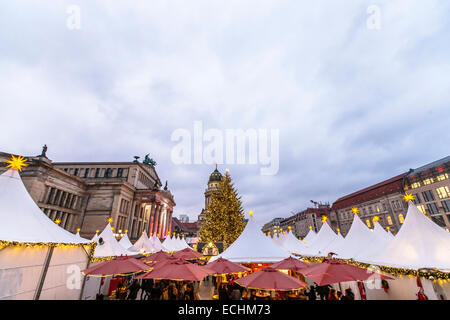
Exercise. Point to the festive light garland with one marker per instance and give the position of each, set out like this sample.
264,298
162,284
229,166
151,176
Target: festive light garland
430,275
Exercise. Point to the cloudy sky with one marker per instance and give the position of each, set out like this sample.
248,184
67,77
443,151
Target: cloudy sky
354,104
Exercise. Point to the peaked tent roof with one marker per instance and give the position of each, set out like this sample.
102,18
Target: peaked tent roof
382,237
323,239
253,246
420,243
310,236
170,244
110,246
292,244
22,220
357,240
144,244
156,243
126,243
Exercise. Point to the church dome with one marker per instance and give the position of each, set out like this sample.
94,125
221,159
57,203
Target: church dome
215,176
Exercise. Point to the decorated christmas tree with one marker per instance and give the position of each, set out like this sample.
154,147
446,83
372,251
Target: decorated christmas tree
224,219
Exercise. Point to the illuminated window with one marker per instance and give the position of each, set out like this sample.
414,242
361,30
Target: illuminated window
378,209
389,220
368,223
400,218
421,208
442,177
443,192
415,185
428,181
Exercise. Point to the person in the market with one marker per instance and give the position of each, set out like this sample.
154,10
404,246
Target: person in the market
332,295
349,295
133,290
312,293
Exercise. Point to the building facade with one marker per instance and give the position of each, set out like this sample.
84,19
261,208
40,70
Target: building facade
304,221
383,202
85,194
430,185
273,226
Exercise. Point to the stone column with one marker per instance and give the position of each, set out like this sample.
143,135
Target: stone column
157,218
161,221
169,222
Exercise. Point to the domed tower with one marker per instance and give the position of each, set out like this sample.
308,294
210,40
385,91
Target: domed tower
213,183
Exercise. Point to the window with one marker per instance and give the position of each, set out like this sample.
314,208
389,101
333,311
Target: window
50,195
401,218
422,209
442,177
97,172
75,173
428,181
443,192
439,220
108,173
368,223
378,209
446,205
384,206
86,172
416,199
370,209
58,193
389,220
415,185
428,195
119,172
432,208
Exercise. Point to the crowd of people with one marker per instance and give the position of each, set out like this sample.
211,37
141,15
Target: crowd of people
149,289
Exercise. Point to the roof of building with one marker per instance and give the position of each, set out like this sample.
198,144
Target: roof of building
215,176
185,226
386,187
429,166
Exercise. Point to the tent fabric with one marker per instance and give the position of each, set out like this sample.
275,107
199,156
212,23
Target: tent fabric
292,244
270,279
110,246
156,243
321,241
358,239
420,243
310,236
126,243
22,220
252,246
144,244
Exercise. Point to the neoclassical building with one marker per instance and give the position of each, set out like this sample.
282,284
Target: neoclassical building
85,194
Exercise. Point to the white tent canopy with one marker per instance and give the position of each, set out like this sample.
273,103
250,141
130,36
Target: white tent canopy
310,237
252,246
126,243
156,243
144,244
292,244
382,237
358,239
110,246
22,220
22,272
420,243
322,240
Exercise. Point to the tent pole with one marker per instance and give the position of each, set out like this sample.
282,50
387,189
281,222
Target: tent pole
44,273
87,266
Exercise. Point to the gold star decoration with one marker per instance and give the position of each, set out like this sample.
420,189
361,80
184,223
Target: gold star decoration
250,213
355,210
78,229
310,227
338,230
16,163
408,197
57,221
110,220
376,218
324,219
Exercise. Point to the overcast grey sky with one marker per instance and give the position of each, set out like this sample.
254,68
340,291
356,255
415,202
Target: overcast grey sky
354,105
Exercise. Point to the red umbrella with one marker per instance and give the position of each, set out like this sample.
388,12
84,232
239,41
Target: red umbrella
117,266
221,266
157,256
333,271
270,279
178,270
290,264
187,253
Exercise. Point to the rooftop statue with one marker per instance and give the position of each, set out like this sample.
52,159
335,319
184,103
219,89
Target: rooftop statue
149,160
